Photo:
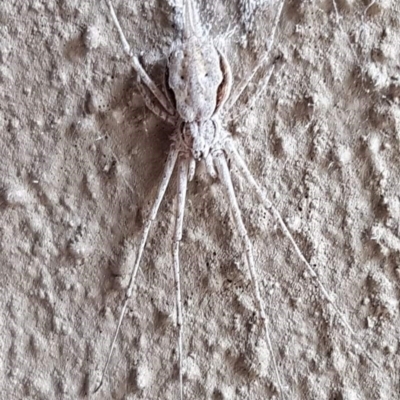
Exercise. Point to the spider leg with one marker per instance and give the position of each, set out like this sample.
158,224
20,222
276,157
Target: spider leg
225,177
138,67
262,86
237,159
168,169
183,169
153,106
245,82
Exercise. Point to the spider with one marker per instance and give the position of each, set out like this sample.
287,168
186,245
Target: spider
197,93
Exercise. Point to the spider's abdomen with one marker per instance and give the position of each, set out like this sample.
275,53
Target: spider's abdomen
194,79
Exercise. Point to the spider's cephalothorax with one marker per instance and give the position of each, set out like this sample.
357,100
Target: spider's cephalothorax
196,139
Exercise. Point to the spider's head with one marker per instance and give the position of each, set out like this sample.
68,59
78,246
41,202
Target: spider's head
200,137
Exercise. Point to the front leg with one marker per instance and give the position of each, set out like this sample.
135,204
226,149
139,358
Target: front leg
147,81
155,107
245,82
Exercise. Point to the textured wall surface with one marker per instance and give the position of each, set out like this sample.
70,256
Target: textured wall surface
80,161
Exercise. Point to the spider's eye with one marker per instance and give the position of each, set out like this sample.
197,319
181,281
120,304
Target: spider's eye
198,154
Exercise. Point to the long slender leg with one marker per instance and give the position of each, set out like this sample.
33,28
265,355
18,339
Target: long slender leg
262,86
243,84
224,175
183,169
138,67
153,107
168,169
231,149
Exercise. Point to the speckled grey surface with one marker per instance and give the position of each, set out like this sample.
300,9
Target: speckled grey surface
80,161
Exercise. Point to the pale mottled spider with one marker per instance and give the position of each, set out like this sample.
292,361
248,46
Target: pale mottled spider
198,82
